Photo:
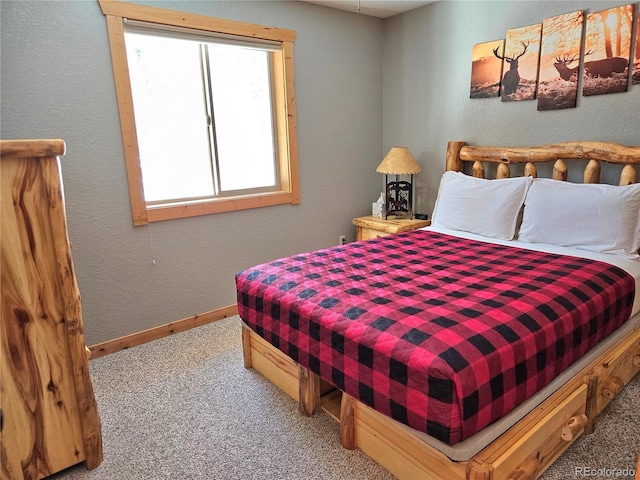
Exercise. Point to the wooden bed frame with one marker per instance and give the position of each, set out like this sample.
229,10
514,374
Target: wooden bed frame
525,450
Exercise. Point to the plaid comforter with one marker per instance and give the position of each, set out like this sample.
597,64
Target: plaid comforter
443,334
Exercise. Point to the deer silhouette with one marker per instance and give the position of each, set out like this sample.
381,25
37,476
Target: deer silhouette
606,67
562,66
511,79
603,68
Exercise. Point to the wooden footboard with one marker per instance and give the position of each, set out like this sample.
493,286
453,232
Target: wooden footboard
523,452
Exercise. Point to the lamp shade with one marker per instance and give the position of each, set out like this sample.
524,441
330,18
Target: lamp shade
399,161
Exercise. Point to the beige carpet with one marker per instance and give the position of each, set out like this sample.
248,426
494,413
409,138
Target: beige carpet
184,407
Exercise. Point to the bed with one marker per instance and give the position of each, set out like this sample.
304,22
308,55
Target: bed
480,347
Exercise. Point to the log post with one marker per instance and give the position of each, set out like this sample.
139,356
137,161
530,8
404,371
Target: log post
503,171
560,171
591,407
628,175
592,172
530,170
308,391
574,425
246,347
453,156
478,169
348,422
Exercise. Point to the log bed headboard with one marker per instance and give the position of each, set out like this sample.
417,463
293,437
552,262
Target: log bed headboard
595,152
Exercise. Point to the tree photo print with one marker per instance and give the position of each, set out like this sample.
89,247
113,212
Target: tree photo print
607,49
486,69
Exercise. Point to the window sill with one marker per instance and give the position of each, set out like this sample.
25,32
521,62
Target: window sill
158,213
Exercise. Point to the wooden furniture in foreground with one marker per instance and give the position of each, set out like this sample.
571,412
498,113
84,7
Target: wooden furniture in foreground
374,227
525,450
49,414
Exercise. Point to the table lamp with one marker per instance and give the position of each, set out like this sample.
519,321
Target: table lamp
399,194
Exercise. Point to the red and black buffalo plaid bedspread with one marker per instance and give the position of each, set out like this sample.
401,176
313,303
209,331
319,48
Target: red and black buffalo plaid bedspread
443,334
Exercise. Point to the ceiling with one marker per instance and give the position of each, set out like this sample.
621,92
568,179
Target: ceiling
375,8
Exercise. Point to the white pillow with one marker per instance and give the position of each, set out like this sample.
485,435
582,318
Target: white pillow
594,217
484,207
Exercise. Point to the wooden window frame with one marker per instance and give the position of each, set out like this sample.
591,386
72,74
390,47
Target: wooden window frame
285,112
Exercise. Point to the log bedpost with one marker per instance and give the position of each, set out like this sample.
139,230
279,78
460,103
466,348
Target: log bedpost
530,170
503,171
560,171
591,408
348,422
592,172
246,347
628,175
478,169
453,156
308,391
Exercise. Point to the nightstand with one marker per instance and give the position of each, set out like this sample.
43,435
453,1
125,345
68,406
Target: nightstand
373,227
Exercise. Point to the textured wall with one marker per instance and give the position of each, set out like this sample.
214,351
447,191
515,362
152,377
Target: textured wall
57,82
427,75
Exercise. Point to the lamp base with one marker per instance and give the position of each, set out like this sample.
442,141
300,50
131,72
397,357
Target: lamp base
398,201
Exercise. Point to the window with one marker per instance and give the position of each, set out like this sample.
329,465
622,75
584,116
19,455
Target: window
207,112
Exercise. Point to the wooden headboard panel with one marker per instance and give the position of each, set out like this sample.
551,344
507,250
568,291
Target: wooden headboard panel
595,152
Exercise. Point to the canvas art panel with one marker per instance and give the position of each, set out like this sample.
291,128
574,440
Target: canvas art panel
607,51
486,70
561,42
520,68
635,76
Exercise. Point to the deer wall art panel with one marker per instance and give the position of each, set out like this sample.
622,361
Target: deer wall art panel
521,58
486,70
635,76
561,43
596,52
608,50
